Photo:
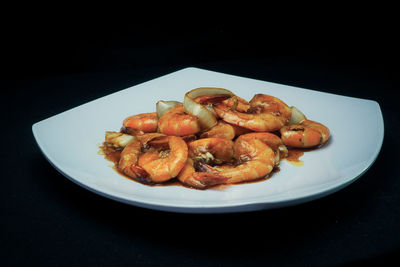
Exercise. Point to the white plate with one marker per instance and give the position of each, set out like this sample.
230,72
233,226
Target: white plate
70,141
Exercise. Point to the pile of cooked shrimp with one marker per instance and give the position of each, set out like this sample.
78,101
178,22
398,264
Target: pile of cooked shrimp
213,137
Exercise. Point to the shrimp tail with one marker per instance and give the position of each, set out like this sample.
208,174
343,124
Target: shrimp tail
202,179
207,175
137,173
209,179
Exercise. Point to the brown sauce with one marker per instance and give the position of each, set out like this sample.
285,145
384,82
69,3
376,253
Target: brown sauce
294,155
110,154
113,155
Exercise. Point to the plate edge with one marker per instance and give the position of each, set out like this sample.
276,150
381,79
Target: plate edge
36,128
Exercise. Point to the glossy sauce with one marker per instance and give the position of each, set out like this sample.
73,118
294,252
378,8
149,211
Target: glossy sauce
294,155
113,155
110,154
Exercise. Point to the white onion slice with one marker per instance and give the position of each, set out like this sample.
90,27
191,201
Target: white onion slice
297,116
163,107
118,140
206,117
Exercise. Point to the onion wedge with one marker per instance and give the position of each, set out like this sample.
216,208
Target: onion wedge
118,140
163,107
207,118
297,116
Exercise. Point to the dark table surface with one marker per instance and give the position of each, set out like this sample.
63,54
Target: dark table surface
48,220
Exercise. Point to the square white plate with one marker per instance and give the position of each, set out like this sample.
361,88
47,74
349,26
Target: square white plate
70,141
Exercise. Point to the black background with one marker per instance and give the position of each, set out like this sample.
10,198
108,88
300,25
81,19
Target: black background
50,67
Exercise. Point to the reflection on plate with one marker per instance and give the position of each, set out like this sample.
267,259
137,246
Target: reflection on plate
70,141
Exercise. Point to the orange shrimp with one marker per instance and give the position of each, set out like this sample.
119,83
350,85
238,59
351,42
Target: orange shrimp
272,140
148,137
224,130
305,134
221,130
200,180
161,142
165,165
208,150
128,162
256,160
176,122
240,104
215,150
237,103
145,122
266,113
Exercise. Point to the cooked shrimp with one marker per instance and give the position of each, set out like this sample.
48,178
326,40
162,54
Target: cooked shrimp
221,130
210,99
256,160
148,137
237,103
162,141
306,134
272,140
146,122
164,165
266,113
211,150
240,104
176,122
224,130
201,179
129,159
